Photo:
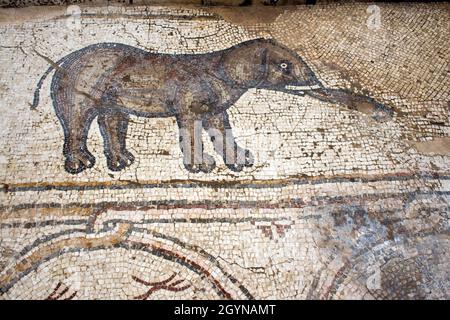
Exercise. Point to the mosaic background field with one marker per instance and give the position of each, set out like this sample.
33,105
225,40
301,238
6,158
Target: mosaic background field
337,205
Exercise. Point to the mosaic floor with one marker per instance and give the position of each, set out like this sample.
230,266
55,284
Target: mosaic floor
339,186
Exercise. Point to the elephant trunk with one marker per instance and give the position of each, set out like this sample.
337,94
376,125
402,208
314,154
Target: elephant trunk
361,103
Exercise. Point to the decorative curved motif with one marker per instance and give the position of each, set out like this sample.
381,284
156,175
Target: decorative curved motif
113,234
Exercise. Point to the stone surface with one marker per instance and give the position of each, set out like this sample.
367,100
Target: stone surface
347,194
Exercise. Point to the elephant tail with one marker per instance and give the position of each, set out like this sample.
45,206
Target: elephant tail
38,88
57,65
53,65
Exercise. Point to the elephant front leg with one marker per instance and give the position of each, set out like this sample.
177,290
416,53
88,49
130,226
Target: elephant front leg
219,129
194,159
113,127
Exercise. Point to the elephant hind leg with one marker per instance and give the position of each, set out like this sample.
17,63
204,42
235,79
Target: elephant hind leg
75,114
76,127
113,127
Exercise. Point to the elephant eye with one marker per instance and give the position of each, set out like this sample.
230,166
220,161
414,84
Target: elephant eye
284,66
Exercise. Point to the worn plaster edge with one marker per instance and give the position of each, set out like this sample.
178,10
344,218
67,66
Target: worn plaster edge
437,146
254,15
243,16
18,16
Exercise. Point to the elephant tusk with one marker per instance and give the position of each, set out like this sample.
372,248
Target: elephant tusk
303,88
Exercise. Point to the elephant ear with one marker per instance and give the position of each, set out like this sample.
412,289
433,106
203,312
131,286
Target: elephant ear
247,65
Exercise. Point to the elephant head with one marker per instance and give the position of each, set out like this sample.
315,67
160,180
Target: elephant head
265,64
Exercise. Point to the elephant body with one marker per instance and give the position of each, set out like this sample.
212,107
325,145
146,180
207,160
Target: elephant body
117,76
110,81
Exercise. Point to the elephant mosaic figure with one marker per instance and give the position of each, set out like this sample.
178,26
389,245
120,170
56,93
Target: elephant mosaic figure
111,81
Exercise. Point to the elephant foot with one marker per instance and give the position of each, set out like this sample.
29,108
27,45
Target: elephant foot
206,166
247,161
119,160
78,161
